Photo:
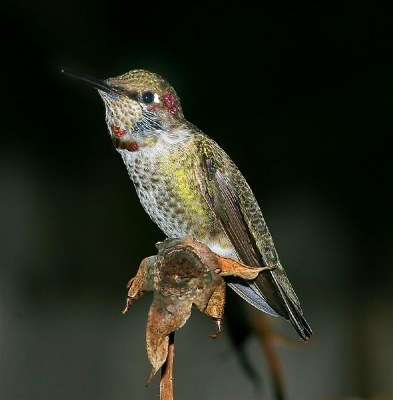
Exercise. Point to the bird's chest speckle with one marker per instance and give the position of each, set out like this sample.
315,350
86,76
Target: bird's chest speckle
169,192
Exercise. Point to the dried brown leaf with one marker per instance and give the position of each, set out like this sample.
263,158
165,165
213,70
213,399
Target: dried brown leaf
183,273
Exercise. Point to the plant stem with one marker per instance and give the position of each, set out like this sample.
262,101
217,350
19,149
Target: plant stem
166,383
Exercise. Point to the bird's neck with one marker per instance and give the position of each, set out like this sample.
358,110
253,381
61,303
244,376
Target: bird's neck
153,144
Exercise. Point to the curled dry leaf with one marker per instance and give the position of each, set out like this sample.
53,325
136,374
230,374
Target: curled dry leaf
183,273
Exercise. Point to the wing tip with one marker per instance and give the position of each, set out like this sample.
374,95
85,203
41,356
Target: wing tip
301,326
295,317
294,313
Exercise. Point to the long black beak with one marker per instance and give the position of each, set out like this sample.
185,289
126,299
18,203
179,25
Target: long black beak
96,83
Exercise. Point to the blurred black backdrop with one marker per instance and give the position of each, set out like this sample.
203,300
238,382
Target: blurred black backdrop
299,94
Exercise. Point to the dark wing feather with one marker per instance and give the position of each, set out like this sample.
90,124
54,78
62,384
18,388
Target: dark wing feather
224,201
225,204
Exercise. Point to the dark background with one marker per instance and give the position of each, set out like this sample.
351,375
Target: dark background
299,95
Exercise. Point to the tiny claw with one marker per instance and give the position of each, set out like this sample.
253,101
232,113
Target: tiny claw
267,269
219,329
158,246
218,271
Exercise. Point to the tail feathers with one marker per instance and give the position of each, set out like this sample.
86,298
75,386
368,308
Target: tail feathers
295,314
281,301
267,294
251,295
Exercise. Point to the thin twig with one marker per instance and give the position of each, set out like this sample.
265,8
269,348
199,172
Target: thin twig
166,383
275,368
266,334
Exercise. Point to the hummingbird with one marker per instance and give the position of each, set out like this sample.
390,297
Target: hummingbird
188,185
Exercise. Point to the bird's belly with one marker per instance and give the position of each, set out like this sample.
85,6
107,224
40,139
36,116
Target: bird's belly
178,214
180,210
170,194
176,220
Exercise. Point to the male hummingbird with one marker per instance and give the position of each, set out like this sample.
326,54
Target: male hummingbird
189,186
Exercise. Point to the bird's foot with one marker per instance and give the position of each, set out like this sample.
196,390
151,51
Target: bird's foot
267,269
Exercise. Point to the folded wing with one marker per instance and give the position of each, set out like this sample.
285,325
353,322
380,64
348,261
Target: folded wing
271,291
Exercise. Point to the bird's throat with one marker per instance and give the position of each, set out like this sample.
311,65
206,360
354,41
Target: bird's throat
130,144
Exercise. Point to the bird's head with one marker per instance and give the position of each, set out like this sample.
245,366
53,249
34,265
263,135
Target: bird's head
140,106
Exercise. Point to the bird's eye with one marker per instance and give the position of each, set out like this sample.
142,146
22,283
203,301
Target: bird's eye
148,97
